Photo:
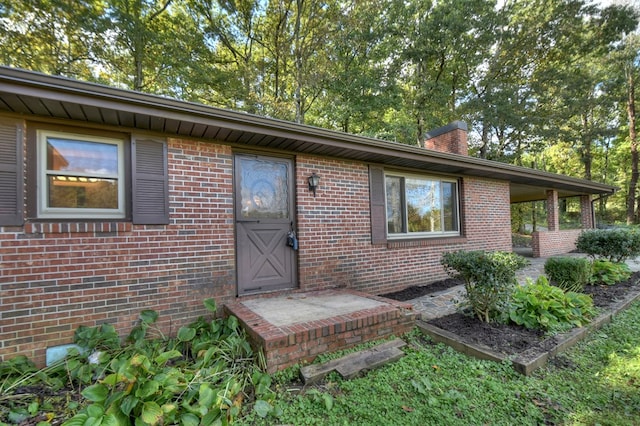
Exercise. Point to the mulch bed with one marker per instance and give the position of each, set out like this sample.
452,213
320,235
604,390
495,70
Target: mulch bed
416,291
505,338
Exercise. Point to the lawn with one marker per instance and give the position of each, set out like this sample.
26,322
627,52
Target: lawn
596,382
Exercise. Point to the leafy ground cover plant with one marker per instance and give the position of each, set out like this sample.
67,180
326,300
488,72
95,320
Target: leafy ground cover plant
489,278
609,273
20,373
568,273
543,306
614,245
202,376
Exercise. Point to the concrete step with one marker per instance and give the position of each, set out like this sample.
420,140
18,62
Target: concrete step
349,366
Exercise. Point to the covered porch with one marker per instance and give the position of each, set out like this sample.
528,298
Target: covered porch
552,240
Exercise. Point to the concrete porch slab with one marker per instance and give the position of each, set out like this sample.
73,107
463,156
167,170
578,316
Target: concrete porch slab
306,307
296,327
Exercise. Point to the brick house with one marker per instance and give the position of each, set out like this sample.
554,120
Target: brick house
114,201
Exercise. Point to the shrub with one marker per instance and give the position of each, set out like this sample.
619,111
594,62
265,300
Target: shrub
489,278
543,306
609,273
615,245
568,273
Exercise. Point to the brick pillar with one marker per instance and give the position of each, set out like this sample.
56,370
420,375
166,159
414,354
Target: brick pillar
451,138
586,212
553,210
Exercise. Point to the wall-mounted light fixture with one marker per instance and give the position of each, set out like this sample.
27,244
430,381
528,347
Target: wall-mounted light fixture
314,181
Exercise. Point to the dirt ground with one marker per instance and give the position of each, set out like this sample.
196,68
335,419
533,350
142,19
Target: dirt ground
509,339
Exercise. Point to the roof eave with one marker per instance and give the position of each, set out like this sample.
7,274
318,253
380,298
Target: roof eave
311,139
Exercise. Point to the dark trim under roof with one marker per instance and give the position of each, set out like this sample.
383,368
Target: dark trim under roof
34,94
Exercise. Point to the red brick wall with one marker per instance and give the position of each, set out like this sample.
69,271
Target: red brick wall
550,243
335,236
57,276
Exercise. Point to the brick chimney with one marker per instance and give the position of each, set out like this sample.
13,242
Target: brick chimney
451,138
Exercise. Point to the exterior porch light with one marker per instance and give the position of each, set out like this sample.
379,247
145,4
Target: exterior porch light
314,180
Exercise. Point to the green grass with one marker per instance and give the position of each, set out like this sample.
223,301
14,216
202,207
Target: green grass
595,383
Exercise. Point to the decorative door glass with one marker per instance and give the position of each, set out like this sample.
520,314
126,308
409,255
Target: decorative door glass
264,189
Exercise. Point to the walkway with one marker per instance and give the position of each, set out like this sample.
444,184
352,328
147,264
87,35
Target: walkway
445,302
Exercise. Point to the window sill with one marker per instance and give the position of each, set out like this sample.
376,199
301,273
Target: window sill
426,242
75,227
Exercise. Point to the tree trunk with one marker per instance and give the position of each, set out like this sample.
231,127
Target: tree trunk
298,42
587,158
485,141
631,115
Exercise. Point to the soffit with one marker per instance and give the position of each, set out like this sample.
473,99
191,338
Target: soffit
34,94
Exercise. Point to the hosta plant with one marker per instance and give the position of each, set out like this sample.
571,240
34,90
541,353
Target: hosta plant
609,273
539,305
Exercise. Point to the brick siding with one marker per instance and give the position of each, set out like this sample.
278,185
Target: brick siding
57,276
551,243
335,235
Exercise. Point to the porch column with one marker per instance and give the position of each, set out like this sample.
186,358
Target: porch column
553,210
586,212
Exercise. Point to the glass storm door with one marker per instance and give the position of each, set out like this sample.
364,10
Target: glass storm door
264,215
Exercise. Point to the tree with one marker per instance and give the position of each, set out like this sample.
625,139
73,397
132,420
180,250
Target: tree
53,37
631,66
440,43
143,42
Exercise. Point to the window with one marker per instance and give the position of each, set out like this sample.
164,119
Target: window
421,206
80,176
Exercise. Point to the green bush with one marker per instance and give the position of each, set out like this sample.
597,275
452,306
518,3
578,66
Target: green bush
568,273
489,278
615,245
609,273
542,306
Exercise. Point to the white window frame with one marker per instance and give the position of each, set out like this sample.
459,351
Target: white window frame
46,212
413,235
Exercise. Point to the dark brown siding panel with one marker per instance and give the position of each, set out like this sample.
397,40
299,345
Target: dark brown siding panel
150,181
378,208
11,193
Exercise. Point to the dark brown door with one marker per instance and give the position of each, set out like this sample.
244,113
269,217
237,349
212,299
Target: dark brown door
264,215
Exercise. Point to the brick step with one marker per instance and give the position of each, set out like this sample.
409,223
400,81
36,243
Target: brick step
287,345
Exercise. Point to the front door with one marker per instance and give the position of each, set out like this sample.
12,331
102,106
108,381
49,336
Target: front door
264,214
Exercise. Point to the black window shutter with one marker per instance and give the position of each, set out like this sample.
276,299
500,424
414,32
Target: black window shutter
378,205
150,181
11,178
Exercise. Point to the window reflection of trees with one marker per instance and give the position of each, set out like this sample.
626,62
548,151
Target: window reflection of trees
73,169
74,192
428,205
264,189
